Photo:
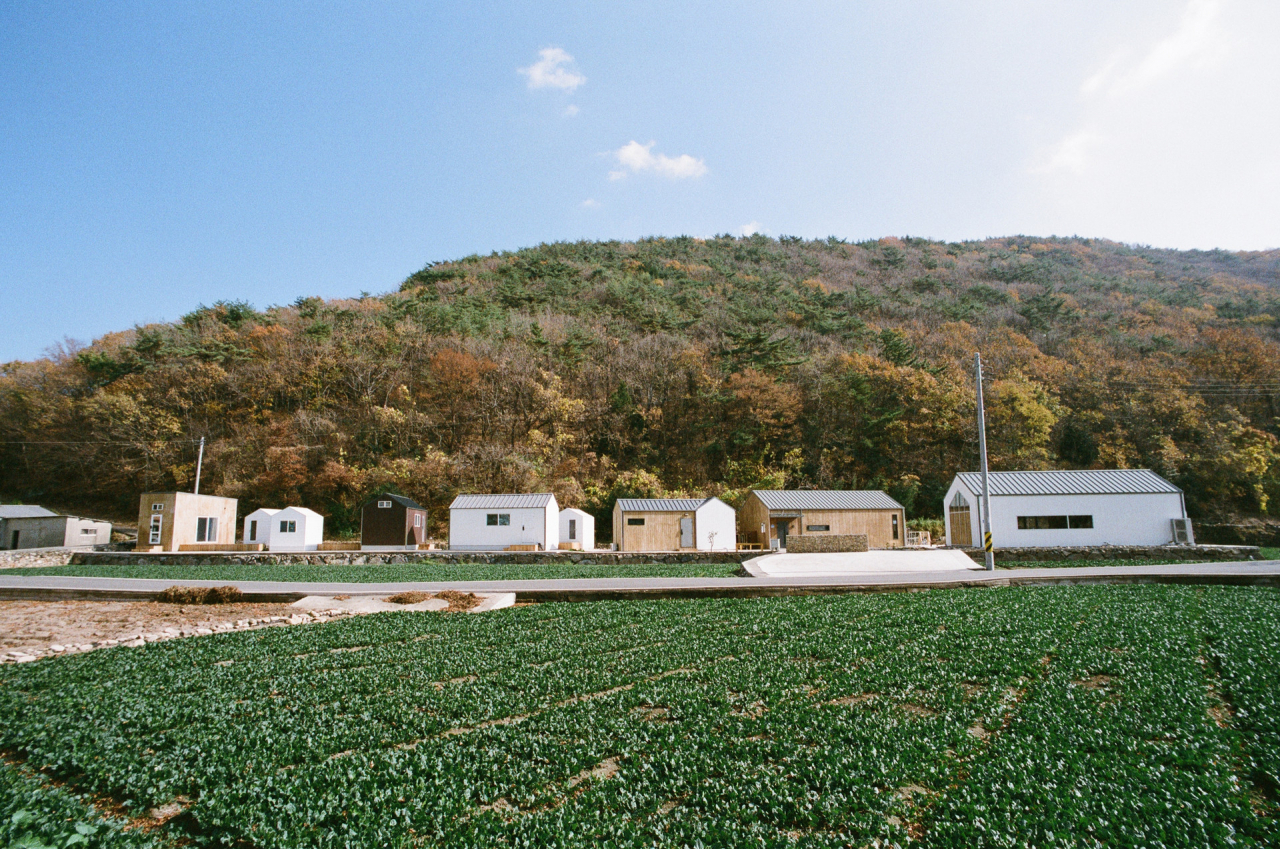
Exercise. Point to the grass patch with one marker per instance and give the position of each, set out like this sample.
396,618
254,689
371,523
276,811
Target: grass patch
1085,564
1089,715
378,574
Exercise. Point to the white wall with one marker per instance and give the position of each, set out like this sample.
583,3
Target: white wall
263,518
307,534
1137,519
586,527
529,526
714,516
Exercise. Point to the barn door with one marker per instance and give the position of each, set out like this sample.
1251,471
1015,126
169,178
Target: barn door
958,513
686,532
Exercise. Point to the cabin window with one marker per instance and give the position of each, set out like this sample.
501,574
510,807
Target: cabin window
207,529
635,522
89,530
287,527
1053,523
895,525
253,530
384,504
157,507
417,520
573,529
156,522
498,519
817,528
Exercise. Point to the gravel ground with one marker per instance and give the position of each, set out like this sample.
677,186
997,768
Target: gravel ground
35,625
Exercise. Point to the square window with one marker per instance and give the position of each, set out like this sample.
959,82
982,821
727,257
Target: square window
157,507
504,518
1080,521
491,519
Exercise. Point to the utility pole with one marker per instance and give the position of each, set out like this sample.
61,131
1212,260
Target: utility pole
988,557
200,456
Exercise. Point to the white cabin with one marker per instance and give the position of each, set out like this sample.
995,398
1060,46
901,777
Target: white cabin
1068,509
290,529
497,522
577,529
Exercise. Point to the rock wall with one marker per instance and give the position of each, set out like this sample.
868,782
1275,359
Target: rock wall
25,557
817,543
1190,553
367,558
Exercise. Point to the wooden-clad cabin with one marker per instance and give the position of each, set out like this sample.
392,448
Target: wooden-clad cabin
389,521
673,524
770,516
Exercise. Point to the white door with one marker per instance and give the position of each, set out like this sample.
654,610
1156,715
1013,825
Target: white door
686,532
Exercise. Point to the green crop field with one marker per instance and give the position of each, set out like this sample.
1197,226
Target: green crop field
388,574
1067,716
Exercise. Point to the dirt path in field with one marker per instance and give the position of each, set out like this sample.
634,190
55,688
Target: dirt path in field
28,625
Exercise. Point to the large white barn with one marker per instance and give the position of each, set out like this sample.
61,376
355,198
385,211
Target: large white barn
1064,509
496,522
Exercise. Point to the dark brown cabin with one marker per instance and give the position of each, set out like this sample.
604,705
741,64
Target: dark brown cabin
392,520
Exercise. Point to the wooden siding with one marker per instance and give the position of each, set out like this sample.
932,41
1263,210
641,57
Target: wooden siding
876,524
660,532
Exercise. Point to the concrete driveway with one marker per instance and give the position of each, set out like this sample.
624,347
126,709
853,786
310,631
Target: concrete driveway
784,565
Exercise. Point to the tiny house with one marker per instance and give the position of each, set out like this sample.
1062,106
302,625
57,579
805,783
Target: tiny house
290,529
577,529
1068,509
674,524
169,520
29,526
390,522
770,516
504,521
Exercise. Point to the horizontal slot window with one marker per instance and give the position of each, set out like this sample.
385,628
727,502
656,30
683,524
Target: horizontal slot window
635,522
818,528
1053,523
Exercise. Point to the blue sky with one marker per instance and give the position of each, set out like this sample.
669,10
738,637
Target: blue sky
158,156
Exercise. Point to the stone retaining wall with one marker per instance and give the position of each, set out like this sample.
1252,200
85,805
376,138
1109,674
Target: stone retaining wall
26,557
1190,553
369,558
818,543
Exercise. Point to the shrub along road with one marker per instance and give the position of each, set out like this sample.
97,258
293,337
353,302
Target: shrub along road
1119,716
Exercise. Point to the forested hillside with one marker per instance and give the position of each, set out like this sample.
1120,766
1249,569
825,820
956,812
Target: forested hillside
682,365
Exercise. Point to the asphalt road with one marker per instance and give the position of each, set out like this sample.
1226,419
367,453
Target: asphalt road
1253,573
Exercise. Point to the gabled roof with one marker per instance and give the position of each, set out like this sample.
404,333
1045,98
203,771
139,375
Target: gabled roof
304,510
398,499
24,511
503,501
826,499
575,510
270,511
1087,482
660,505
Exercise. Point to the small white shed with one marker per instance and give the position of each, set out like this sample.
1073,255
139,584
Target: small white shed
1068,509
499,522
577,529
290,529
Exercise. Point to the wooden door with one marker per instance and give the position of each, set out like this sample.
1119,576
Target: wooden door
961,530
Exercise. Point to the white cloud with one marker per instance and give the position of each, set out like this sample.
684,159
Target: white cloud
1071,155
1196,42
635,158
571,110
590,203
553,70
750,229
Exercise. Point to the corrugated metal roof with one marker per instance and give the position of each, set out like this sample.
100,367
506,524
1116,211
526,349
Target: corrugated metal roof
24,511
826,499
1086,482
660,505
501,502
